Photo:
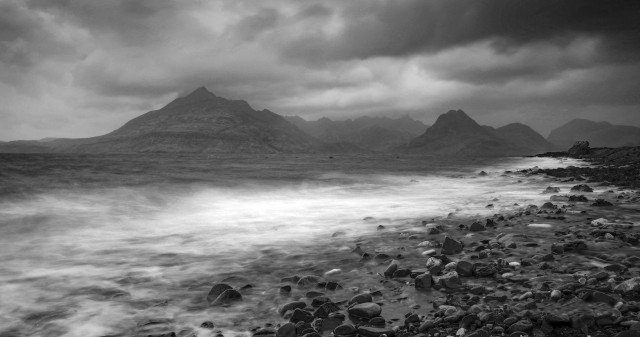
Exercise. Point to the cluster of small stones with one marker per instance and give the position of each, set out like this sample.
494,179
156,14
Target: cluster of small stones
490,277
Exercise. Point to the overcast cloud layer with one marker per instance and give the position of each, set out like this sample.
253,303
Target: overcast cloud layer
78,68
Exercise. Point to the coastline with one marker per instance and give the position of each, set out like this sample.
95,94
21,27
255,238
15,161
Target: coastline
569,267
498,276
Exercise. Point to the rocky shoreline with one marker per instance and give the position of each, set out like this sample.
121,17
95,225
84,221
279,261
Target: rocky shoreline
568,267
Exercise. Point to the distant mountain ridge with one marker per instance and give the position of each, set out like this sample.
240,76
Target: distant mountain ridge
455,133
379,134
200,122
598,134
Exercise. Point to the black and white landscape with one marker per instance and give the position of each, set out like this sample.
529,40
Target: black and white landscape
287,168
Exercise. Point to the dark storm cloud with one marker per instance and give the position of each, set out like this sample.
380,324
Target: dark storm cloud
392,28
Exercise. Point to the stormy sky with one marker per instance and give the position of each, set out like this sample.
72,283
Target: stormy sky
78,68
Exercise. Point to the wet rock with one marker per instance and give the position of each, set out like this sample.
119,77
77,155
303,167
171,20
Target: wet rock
377,322
265,332
286,330
309,281
428,324
449,280
598,296
601,203
344,330
319,300
423,281
468,320
578,198
465,268
477,227
581,188
365,310
207,325
393,266
629,285
615,268
451,246
361,298
285,290
216,290
485,269
522,325
324,310
375,332
548,206
402,273
300,315
291,306
479,333
313,294
551,190
227,297
555,294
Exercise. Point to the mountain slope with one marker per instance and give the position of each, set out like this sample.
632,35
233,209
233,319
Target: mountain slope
599,134
523,137
455,133
200,122
370,133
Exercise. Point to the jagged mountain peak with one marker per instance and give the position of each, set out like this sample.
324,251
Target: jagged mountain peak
456,120
201,92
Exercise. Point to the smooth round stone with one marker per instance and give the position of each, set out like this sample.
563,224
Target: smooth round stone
365,310
227,296
217,290
291,306
361,298
344,329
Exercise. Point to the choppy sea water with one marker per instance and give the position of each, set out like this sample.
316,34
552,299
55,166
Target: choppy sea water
92,245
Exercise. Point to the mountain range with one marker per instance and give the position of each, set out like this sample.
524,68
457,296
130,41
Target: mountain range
598,134
379,134
202,122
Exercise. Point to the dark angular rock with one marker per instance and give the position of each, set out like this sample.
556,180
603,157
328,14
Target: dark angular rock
391,268
581,188
485,270
551,189
286,330
291,306
578,198
309,281
423,281
324,310
451,246
601,203
449,280
300,315
477,227
465,268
